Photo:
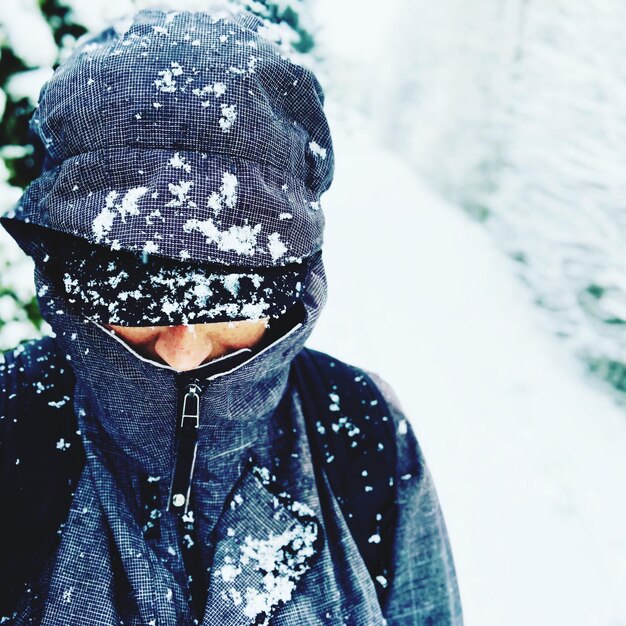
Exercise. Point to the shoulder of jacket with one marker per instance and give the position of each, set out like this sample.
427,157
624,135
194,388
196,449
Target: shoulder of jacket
35,377
410,456
388,393
384,388
37,420
34,364
41,456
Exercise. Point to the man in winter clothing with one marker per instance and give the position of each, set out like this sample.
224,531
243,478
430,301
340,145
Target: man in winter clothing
185,159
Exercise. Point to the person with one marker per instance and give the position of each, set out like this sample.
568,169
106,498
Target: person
158,460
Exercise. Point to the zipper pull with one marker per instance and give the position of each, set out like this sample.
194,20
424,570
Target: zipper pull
186,448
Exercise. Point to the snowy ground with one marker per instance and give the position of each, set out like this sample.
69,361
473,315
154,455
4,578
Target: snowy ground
527,451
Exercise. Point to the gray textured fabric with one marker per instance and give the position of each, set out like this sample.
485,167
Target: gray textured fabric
186,135
126,173
425,589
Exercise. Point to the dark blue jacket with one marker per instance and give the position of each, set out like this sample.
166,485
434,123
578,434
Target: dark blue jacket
36,383
192,137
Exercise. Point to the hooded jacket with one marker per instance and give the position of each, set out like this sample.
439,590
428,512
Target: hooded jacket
262,542
108,570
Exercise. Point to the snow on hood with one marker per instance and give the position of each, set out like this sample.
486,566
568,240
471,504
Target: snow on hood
186,136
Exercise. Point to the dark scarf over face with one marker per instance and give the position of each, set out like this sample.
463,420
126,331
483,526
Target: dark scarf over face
121,555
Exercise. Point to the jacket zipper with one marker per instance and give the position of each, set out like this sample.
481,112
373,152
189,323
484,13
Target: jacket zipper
186,449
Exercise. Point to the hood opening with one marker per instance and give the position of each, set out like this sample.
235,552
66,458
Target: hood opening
278,330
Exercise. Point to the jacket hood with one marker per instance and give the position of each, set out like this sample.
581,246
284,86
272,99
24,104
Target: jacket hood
184,135
188,136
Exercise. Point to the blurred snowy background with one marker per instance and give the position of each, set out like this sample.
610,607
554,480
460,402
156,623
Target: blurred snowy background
476,252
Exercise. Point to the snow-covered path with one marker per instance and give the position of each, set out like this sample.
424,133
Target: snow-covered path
527,451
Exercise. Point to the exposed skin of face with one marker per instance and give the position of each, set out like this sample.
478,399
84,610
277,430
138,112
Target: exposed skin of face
188,346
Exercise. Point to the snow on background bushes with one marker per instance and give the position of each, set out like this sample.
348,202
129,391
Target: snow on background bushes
515,111
473,306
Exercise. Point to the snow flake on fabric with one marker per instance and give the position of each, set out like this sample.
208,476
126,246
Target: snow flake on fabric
228,189
235,596
57,404
228,572
153,214
166,82
229,115
231,283
276,247
317,150
62,444
282,570
239,239
129,201
227,195
180,191
179,162
279,558
216,90
249,69
103,223
254,311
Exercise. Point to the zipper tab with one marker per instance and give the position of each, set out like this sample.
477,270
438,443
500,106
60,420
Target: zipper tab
186,448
